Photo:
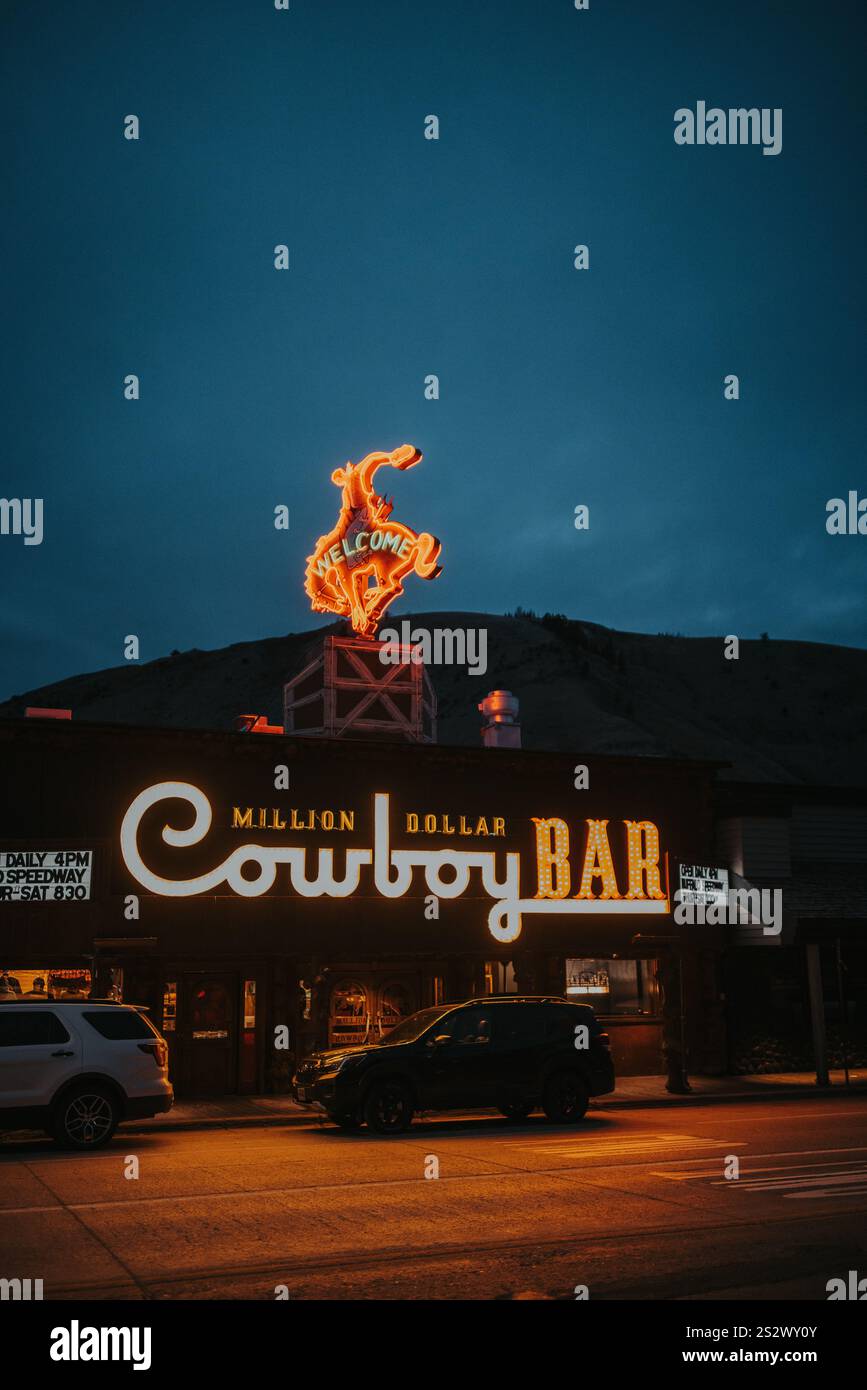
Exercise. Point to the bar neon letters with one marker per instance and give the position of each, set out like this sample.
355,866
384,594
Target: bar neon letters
553,870
394,869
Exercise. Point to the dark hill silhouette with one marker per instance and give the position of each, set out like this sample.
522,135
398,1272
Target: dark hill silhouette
783,712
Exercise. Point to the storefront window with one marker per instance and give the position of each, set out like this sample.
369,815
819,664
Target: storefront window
349,1020
114,984
249,1003
499,977
170,1006
396,1004
614,986
211,1011
72,983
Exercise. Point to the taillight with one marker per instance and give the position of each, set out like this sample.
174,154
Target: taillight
159,1050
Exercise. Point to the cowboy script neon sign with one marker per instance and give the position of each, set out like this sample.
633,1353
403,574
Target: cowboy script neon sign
251,869
357,570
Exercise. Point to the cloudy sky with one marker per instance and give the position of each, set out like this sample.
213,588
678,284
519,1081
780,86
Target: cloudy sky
410,257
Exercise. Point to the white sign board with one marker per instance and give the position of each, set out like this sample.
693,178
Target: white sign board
45,875
704,885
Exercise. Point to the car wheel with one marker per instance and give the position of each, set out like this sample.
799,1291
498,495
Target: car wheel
85,1118
518,1110
565,1099
388,1108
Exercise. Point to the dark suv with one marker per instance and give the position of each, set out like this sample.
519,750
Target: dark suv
512,1052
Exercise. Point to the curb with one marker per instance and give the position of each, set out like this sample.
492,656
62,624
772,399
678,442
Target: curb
721,1098
654,1102
219,1122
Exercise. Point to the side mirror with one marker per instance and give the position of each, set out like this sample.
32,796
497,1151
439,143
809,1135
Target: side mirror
441,1040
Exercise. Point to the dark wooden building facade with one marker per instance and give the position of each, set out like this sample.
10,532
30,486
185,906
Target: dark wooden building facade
265,894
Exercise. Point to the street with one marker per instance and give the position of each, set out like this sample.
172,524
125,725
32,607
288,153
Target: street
631,1203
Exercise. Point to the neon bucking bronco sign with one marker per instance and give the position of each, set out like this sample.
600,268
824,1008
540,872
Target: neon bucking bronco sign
357,569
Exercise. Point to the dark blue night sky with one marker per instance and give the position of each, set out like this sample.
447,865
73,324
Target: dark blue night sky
411,257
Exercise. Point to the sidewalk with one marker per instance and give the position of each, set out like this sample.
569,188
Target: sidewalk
633,1092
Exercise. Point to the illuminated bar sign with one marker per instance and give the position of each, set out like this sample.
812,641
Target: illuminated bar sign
251,869
357,570
45,875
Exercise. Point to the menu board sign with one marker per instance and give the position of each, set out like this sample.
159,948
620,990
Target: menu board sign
45,875
704,885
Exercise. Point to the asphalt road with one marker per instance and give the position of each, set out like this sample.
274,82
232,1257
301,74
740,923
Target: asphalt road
632,1204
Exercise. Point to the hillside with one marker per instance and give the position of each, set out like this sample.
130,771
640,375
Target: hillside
785,711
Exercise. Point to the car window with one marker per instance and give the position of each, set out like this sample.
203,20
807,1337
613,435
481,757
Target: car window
520,1023
412,1027
467,1026
563,1022
30,1027
118,1025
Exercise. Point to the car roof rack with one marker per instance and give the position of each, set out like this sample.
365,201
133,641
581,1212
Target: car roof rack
520,998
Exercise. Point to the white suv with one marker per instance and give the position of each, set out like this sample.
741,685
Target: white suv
76,1070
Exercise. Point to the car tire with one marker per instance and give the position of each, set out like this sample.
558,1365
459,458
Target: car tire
388,1107
566,1098
518,1110
85,1117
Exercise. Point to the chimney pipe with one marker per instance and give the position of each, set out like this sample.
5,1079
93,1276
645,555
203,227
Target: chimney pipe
501,728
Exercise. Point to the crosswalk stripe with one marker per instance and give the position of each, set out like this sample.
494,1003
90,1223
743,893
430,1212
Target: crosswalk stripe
783,1168
801,1181
796,1180
617,1148
824,1192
